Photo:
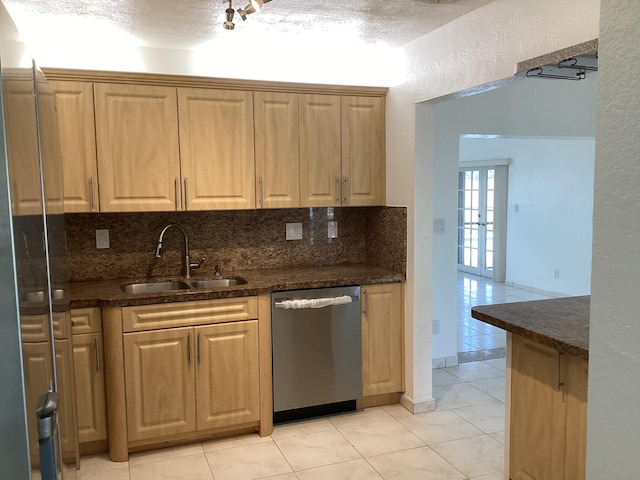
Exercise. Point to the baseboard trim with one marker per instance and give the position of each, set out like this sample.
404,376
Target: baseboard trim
420,407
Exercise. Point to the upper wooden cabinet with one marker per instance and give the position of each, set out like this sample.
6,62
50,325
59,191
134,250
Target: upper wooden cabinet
137,145
320,164
78,145
216,148
277,150
363,151
162,143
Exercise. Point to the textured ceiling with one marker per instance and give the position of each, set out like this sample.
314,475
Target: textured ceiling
187,24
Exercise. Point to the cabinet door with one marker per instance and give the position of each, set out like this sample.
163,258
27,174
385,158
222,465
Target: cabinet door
574,375
76,124
228,375
38,374
277,150
137,144
536,413
90,394
216,148
320,173
67,402
363,151
381,338
159,383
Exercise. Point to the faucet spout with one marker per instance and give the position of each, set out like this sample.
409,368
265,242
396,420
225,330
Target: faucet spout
187,261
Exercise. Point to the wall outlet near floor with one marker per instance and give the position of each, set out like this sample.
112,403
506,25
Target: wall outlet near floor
293,231
102,238
332,229
435,327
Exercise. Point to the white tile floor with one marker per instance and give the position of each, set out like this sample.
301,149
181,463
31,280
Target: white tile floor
462,439
475,336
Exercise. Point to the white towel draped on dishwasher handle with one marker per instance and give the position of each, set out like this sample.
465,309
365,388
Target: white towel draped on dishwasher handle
313,302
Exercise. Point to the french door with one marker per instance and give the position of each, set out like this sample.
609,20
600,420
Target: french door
476,211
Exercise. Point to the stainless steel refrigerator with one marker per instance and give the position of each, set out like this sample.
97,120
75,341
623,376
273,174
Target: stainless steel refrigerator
36,354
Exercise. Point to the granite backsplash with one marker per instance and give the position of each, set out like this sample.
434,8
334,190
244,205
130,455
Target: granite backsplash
235,240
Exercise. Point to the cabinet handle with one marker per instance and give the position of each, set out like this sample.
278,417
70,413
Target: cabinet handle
338,189
366,302
74,322
92,193
198,348
177,199
189,348
97,355
558,382
260,189
346,190
186,194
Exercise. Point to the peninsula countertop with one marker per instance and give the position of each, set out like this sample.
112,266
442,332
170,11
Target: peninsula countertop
109,293
560,323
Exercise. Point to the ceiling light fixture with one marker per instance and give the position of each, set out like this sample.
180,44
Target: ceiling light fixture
252,7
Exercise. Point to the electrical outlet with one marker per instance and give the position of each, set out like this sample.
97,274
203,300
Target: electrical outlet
293,231
332,229
102,238
435,327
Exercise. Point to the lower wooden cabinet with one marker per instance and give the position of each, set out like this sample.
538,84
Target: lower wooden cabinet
186,379
548,413
381,338
89,366
88,360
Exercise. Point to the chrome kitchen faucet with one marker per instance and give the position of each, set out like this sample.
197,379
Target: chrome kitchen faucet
187,260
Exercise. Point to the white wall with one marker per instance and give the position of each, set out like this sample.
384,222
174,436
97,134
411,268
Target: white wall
476,49
551,182
613,433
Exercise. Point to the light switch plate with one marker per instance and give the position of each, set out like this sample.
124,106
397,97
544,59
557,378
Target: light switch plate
102,238
438,225
294,231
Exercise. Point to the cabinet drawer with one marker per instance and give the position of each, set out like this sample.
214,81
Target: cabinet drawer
86,320
151,317
35,328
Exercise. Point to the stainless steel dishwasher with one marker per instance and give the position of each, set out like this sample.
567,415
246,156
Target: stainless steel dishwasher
317,351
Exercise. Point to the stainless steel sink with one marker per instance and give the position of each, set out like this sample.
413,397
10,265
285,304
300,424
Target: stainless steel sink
154,287
218,282
41,295
37,296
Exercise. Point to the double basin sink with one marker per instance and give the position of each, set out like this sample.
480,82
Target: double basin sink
168,286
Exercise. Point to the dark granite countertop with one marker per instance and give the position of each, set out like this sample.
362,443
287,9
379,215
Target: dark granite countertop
108,292
560,323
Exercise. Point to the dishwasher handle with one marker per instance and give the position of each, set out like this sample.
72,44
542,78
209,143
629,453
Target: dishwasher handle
305,303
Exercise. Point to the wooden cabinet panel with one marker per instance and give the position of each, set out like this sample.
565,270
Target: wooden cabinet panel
216,148
548,413
38,374
147,317
320,165
277,151
22,142
86,320
137,147
66,401
159,383
363,151
381,338
228,374
76,124
88,360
